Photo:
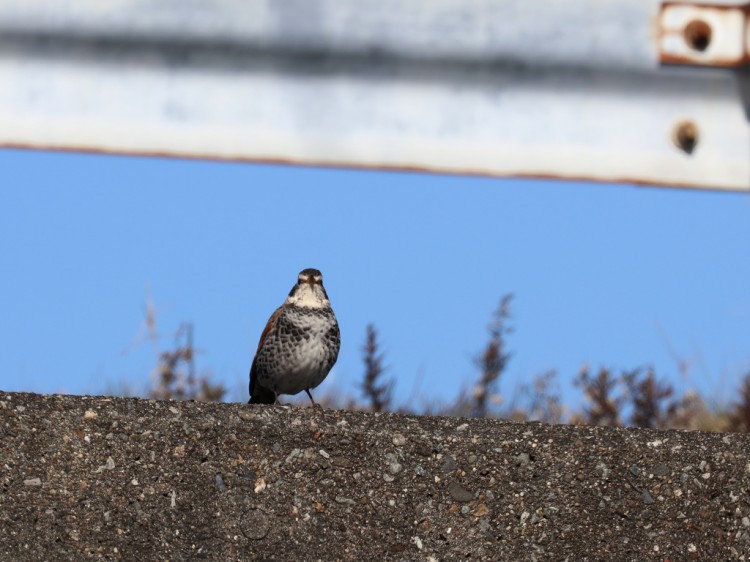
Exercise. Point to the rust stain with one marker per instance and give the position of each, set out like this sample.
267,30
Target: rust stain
667,58
718,7
463,172
686,136
698,34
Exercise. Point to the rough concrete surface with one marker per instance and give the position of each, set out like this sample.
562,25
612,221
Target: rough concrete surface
130,479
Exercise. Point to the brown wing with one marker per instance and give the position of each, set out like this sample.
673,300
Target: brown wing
267,329
259,394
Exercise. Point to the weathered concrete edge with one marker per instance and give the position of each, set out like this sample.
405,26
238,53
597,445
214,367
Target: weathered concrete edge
124,478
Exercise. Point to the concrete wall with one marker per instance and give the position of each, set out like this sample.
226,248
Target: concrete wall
130,479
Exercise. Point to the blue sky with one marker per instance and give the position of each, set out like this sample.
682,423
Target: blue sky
609,275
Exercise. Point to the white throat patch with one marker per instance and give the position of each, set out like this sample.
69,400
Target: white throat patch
309,296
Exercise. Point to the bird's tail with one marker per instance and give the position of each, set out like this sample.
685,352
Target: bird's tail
258,393
262,395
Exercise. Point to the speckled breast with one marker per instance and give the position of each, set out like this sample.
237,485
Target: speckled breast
300,351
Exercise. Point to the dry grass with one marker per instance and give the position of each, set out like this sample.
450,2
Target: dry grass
636,397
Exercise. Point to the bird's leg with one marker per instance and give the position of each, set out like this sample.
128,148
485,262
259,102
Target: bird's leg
315,404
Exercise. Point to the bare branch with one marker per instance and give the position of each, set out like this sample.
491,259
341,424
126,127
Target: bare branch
493,360
375,390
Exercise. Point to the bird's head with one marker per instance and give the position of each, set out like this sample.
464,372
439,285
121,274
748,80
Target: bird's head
308,291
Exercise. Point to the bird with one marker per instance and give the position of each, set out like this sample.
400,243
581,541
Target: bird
299,345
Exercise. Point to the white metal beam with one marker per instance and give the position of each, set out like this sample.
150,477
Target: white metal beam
586,89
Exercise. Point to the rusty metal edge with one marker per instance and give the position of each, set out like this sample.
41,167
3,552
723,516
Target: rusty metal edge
620,180
724,63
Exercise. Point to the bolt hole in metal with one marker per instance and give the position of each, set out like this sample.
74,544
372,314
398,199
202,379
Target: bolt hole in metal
685,136
698,35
